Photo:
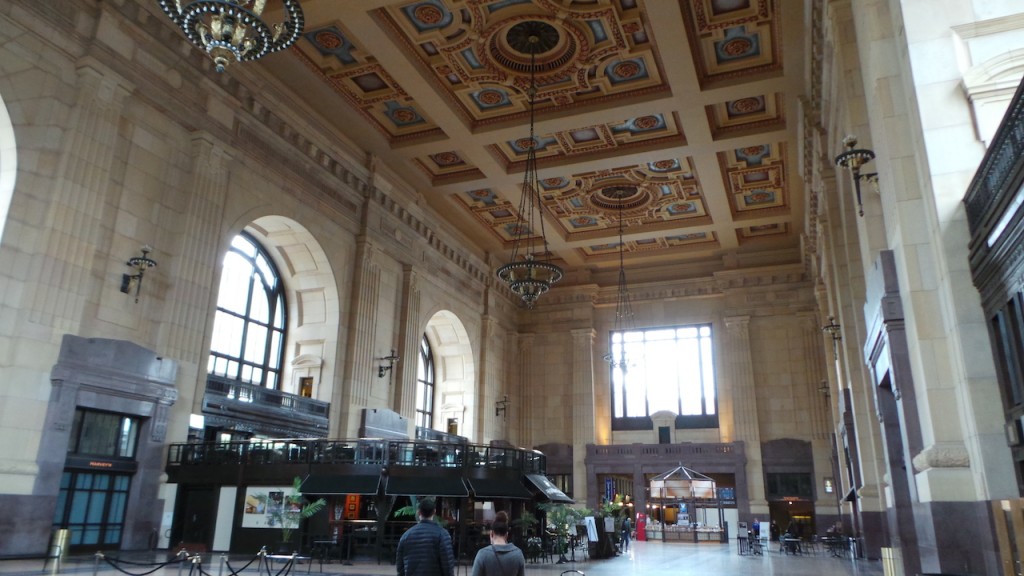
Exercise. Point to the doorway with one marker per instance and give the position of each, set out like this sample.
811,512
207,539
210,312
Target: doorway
195,518
798,514
92,506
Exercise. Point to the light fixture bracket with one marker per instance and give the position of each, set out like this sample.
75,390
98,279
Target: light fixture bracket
139,264
852,159
501,407
391,359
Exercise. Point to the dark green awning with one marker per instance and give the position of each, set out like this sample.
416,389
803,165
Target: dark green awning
340,484
549,491
426,486
498,488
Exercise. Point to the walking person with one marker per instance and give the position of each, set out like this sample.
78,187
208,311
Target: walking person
627,533
500,558
426,548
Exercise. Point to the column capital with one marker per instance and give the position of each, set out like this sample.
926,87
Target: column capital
737,322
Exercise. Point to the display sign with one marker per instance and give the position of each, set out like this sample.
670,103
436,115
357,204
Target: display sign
266,507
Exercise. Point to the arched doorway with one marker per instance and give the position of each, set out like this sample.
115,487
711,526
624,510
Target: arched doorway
454,375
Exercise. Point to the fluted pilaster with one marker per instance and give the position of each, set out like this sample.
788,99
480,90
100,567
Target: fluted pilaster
814,375
739,369
532,403
404,399
63,277
188,305
583,425
363,330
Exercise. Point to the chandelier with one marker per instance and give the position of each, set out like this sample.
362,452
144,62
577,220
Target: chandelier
623,308
234,30
530,273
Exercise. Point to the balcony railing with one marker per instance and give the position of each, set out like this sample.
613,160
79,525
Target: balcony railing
366,451
254,403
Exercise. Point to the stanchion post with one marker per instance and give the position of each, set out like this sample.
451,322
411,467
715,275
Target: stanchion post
223,559
96,563
181,553
197,563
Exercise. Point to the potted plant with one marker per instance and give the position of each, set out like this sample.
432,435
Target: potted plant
560,518
292,510
525,523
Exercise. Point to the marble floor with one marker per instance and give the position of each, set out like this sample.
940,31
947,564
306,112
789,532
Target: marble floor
642,559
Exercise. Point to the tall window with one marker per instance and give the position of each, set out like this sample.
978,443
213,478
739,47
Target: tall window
425,386
248,331
103,434
666,369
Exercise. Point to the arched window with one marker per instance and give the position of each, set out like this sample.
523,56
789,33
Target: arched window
425,386
248,330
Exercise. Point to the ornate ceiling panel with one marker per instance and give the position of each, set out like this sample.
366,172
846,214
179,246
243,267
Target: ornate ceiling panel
448,166
746,116
364,83
756,176
636,98
732,40
602,51
644,132
657,196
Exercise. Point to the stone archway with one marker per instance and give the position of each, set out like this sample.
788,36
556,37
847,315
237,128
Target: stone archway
8,163
454,373
312,299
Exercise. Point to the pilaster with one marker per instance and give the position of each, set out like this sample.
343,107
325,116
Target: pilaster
404,390
63,267
354,393
583,425
740,374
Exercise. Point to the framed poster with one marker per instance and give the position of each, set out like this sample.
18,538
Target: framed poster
269,507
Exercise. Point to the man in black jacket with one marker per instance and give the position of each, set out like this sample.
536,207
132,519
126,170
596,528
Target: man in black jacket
426,548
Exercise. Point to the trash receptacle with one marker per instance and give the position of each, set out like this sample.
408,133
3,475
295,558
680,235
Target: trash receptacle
59,544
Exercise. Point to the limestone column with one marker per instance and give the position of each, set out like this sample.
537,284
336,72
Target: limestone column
406,371
814,375
190,295
530,400
354,392
582,394
63,268
739,371
486,395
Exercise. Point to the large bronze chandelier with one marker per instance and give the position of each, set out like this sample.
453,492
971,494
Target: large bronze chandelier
530,272
234,30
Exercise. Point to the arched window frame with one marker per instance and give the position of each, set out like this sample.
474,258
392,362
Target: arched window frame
247,347
425,385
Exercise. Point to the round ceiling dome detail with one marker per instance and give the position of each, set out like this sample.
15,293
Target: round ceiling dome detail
552,48
624,196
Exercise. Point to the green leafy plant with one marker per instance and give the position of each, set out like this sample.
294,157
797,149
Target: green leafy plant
411,509
525,522
560,517
294,509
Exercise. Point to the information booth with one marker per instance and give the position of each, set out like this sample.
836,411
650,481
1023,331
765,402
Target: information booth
689,509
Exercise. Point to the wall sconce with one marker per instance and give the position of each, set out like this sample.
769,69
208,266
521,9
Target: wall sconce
823,388
501,406
390,359
852,160
140,264
832,329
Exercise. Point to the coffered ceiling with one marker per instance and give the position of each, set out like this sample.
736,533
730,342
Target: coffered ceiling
680,116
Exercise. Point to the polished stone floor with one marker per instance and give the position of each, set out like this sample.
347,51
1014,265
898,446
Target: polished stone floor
643,559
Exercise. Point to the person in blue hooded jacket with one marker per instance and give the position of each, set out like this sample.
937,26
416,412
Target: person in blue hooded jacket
426,548
500,558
